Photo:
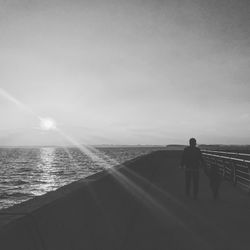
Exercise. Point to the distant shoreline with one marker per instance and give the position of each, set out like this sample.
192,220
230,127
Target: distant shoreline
217,147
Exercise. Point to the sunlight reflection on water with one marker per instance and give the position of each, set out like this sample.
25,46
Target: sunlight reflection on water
47,178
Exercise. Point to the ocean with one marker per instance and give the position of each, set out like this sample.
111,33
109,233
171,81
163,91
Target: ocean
29,172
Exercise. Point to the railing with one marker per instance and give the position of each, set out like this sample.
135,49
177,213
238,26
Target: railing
227,153
235,170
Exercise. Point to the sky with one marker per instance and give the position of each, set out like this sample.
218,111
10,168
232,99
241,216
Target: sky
124,72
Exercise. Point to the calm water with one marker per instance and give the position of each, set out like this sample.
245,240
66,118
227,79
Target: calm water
29,172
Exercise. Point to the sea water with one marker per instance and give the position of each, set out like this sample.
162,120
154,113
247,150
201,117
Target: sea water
30,172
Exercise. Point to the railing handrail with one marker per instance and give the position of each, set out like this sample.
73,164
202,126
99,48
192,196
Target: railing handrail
228,158
238,176
225,152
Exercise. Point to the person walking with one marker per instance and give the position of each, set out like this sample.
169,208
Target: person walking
192,161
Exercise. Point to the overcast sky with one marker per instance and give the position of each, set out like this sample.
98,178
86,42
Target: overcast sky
125,72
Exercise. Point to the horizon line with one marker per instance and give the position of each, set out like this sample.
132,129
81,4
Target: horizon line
120,145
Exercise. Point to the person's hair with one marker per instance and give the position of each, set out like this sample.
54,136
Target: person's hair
192,142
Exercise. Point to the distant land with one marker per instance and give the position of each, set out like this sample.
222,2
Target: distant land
175,147
219,147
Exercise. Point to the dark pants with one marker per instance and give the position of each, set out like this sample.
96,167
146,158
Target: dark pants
192,176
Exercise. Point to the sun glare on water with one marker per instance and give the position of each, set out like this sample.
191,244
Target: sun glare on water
47,124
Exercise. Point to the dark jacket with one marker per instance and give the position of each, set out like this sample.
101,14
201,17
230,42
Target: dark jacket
192,158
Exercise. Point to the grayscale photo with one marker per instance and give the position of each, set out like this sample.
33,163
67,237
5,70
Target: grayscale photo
124,124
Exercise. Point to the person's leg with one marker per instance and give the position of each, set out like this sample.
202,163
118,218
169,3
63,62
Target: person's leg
187,181
195,183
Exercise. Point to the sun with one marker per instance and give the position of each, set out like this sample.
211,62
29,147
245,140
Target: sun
47,124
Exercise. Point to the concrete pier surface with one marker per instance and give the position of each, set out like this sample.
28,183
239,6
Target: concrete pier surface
138,206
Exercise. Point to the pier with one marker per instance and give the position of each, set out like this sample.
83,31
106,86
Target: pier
140,205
